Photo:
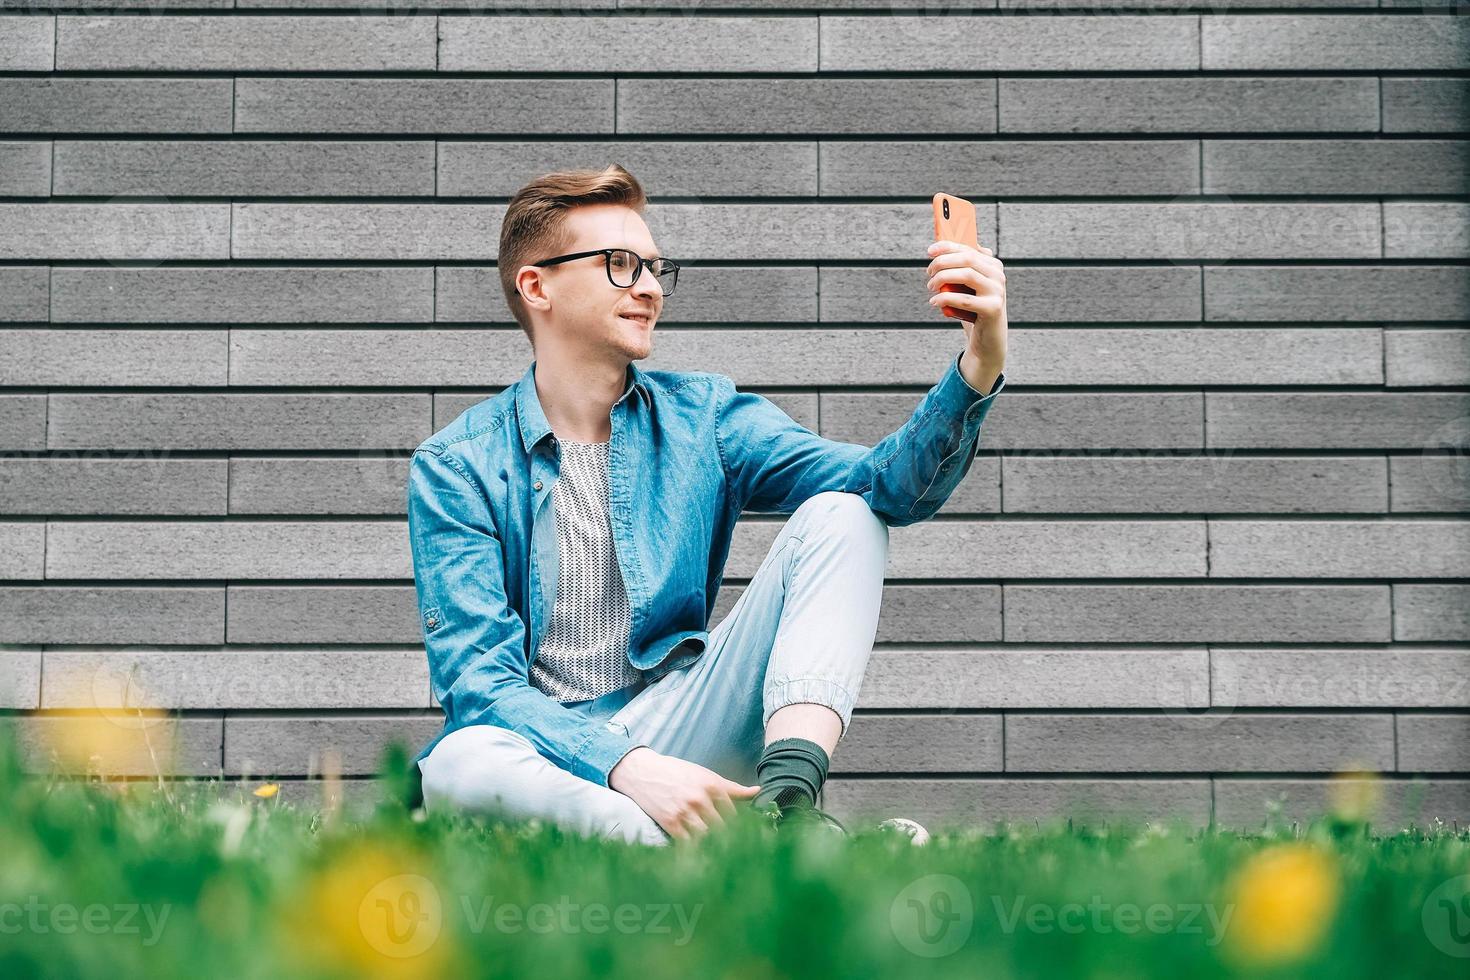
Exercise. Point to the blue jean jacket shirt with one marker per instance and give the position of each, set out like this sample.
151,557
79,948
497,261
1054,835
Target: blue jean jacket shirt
689,453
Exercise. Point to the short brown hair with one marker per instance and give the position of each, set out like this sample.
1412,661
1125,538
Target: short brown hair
535,222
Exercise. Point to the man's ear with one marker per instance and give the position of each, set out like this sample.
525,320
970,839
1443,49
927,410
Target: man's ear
519,293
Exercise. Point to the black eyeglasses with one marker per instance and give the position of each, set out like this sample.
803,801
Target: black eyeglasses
624,266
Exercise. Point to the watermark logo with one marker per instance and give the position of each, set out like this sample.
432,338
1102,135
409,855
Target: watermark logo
401,916
121,694
1190,701
141,230
1192,231
1436,9
1446,917
1444,461
118,722
932,916
927,23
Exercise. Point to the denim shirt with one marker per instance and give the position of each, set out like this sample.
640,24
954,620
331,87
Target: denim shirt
689,453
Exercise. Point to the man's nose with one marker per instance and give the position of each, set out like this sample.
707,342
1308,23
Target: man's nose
648,285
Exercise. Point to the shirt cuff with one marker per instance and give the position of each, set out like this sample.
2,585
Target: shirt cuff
957,394
601,753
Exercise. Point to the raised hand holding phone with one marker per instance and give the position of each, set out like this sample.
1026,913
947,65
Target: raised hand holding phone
967,283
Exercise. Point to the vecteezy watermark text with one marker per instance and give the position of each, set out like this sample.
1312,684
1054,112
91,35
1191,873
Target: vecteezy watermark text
1128,918
934,915
403,915
566,916
96,918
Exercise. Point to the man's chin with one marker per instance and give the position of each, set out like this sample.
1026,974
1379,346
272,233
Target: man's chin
635,351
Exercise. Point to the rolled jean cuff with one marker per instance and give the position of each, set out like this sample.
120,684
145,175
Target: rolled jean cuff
808,690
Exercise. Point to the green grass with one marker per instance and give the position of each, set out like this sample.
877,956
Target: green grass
222,883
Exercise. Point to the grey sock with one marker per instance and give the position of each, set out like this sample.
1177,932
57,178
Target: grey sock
790,773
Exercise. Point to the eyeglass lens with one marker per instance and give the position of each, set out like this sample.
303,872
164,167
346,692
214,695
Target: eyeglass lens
623,266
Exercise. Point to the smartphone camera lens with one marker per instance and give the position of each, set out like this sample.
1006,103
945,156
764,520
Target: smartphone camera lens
946,208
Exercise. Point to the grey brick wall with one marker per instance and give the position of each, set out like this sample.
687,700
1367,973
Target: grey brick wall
1214,550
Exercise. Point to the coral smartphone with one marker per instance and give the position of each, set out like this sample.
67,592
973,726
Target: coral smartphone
954,220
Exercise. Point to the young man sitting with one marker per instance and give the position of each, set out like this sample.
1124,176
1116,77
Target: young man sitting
570,533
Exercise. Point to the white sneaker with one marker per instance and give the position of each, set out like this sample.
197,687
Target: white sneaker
911,829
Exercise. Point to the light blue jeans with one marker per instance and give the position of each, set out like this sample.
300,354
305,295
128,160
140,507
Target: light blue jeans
801,632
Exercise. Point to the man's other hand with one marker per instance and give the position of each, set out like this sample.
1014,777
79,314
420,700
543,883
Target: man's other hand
684,798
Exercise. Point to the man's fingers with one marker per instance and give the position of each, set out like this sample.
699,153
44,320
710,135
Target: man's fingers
711,814
724,804
962,276
965,276
963,260
695,825
739,789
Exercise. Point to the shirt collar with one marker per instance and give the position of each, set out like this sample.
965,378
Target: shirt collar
534,426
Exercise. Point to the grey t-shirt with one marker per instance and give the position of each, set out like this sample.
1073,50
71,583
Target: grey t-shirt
584,652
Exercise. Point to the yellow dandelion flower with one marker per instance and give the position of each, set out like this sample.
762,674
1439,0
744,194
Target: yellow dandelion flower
1283,900
267,790
1355,795
101,743
371,912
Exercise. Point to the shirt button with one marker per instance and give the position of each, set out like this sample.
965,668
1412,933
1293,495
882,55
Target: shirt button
537,484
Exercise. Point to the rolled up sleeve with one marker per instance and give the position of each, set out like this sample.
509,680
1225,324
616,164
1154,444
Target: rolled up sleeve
772,463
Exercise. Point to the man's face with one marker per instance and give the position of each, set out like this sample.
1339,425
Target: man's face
586,310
